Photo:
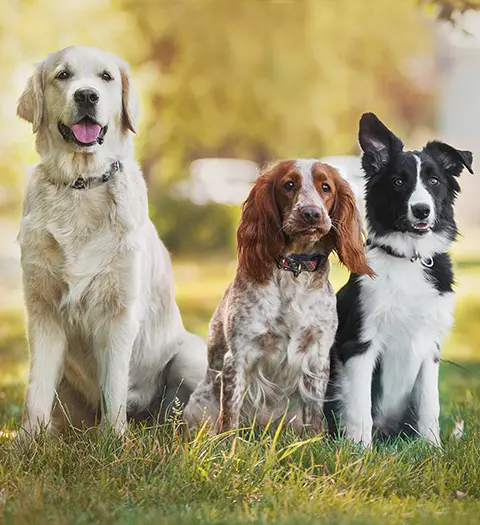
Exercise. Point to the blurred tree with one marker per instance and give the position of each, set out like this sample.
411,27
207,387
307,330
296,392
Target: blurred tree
267,79
259,79
29,30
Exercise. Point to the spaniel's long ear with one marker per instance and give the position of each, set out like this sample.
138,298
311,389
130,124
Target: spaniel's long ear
260,238
130,106
30,103
347,230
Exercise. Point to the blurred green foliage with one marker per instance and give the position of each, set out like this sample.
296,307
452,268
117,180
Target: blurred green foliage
218,78
263,80
194,229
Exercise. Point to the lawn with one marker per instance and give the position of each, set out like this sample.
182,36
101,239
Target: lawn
162,475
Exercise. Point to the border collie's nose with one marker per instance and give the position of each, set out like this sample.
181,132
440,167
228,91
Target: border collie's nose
421,211
86,97
310,214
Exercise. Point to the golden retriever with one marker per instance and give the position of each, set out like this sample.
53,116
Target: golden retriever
104,330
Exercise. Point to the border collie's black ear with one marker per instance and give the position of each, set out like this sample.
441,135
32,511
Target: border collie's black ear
450,159
378,143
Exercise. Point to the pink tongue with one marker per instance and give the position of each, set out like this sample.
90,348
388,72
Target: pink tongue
86,131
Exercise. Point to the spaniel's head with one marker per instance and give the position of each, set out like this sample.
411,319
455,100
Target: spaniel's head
299,206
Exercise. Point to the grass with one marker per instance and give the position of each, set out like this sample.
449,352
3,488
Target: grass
163,475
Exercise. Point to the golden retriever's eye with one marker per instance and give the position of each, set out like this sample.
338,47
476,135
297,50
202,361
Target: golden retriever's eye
289,185
106,76
326,188
64,75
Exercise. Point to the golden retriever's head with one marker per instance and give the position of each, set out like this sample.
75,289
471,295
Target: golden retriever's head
80,100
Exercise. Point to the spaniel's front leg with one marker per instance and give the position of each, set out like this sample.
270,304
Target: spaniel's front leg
233,385
315,387
114,344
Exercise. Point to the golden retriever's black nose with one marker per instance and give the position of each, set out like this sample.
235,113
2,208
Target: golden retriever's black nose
86,97
310,214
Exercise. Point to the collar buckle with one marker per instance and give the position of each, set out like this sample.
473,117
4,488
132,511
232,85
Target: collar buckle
297,263
83,183
80,184
415,256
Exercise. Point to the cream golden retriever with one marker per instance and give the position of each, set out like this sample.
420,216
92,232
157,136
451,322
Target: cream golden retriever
104,330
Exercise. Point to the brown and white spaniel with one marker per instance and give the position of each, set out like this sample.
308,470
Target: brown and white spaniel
270,337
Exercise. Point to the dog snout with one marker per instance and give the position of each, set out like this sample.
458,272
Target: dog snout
86,97
311,214
421,211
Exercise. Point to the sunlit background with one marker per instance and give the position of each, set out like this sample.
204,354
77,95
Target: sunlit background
226,86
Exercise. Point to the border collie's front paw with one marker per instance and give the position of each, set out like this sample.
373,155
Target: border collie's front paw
359,434
431,434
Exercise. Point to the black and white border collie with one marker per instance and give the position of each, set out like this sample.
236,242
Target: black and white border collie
385,359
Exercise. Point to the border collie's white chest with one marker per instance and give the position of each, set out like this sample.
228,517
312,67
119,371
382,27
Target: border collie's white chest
405,319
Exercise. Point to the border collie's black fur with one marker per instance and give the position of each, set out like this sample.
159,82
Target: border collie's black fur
387,350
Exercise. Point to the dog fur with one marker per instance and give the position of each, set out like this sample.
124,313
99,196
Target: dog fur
104,330
386,356
270,337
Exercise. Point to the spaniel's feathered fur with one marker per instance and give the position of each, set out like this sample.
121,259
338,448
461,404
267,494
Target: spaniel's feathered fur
270,337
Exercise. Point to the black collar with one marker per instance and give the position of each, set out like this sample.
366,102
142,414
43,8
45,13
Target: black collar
301,262
84,183
425,261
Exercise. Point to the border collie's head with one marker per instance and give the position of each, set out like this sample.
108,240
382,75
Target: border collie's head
409,194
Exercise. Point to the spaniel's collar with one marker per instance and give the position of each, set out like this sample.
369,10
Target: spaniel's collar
301,262
84,183
425,261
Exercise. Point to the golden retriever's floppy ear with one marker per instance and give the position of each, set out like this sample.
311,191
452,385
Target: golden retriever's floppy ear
129,100
30,103
347,230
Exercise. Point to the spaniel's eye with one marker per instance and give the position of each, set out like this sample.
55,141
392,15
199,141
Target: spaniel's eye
106,76
433,181
326,188
289,185
398,182
64,75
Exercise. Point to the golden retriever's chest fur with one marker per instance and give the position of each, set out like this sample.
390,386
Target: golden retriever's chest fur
82,248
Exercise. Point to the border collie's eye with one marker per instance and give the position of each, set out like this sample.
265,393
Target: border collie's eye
398,182
326,188
433,181
289,185
106,76
64,75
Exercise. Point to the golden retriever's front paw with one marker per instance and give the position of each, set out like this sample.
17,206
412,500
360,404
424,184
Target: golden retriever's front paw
27,436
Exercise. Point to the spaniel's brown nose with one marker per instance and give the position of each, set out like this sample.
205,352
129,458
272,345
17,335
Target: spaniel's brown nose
310,214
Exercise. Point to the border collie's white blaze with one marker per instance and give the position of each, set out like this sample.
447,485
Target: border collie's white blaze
421,205
387,350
